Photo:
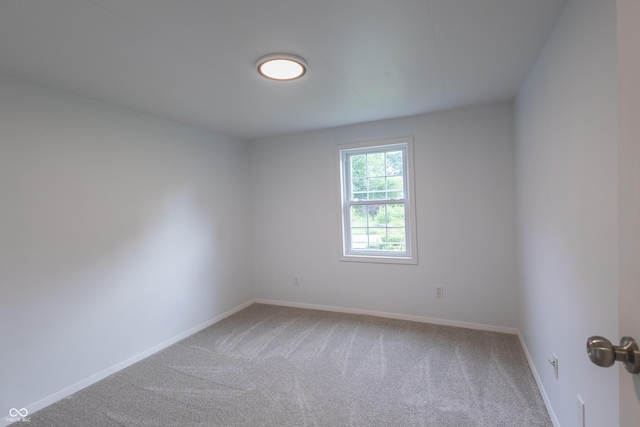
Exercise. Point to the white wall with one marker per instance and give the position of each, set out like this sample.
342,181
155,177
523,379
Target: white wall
465,211
566,163
117,232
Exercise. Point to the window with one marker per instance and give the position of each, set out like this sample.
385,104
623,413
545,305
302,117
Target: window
376,187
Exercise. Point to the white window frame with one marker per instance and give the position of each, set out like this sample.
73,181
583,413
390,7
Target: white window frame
346,253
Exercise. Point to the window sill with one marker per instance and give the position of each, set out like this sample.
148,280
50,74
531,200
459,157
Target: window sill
379,259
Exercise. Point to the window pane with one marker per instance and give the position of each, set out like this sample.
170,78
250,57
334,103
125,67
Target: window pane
377,238
358,166
395,215
375,164
359,239
375,213
396,239
358,216
395,183
359,189
381,218
394,163
377,184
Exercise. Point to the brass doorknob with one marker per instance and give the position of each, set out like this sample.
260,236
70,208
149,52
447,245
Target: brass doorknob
603,353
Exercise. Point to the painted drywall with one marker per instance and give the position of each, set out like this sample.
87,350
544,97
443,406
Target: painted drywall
464,173
566,163
118,232
628,14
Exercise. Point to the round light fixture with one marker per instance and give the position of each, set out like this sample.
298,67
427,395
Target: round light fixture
282,66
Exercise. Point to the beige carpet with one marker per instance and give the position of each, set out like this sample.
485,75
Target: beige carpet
278,366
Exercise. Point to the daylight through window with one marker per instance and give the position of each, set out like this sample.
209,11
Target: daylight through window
376,188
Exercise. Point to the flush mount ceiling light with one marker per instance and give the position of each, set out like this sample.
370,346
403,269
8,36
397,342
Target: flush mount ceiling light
282,66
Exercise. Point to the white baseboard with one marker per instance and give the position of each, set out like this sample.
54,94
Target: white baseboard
53,398
435,321
534,371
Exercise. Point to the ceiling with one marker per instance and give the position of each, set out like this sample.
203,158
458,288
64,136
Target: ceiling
193,61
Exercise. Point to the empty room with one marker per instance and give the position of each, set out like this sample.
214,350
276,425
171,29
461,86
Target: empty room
329,213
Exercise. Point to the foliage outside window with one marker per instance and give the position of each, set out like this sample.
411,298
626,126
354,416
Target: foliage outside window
377,214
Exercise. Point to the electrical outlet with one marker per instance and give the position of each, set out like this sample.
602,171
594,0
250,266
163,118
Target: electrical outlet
296,280
580,408
439,292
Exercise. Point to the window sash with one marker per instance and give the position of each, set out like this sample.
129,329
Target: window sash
384,176
348,235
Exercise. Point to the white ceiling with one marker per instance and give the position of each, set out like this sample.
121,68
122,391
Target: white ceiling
193,61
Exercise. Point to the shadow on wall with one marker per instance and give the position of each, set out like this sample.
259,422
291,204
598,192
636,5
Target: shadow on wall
75,251
113,238
141,286
101,248
77,212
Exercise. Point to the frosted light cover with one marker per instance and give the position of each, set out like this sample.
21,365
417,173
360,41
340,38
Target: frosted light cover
279,68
